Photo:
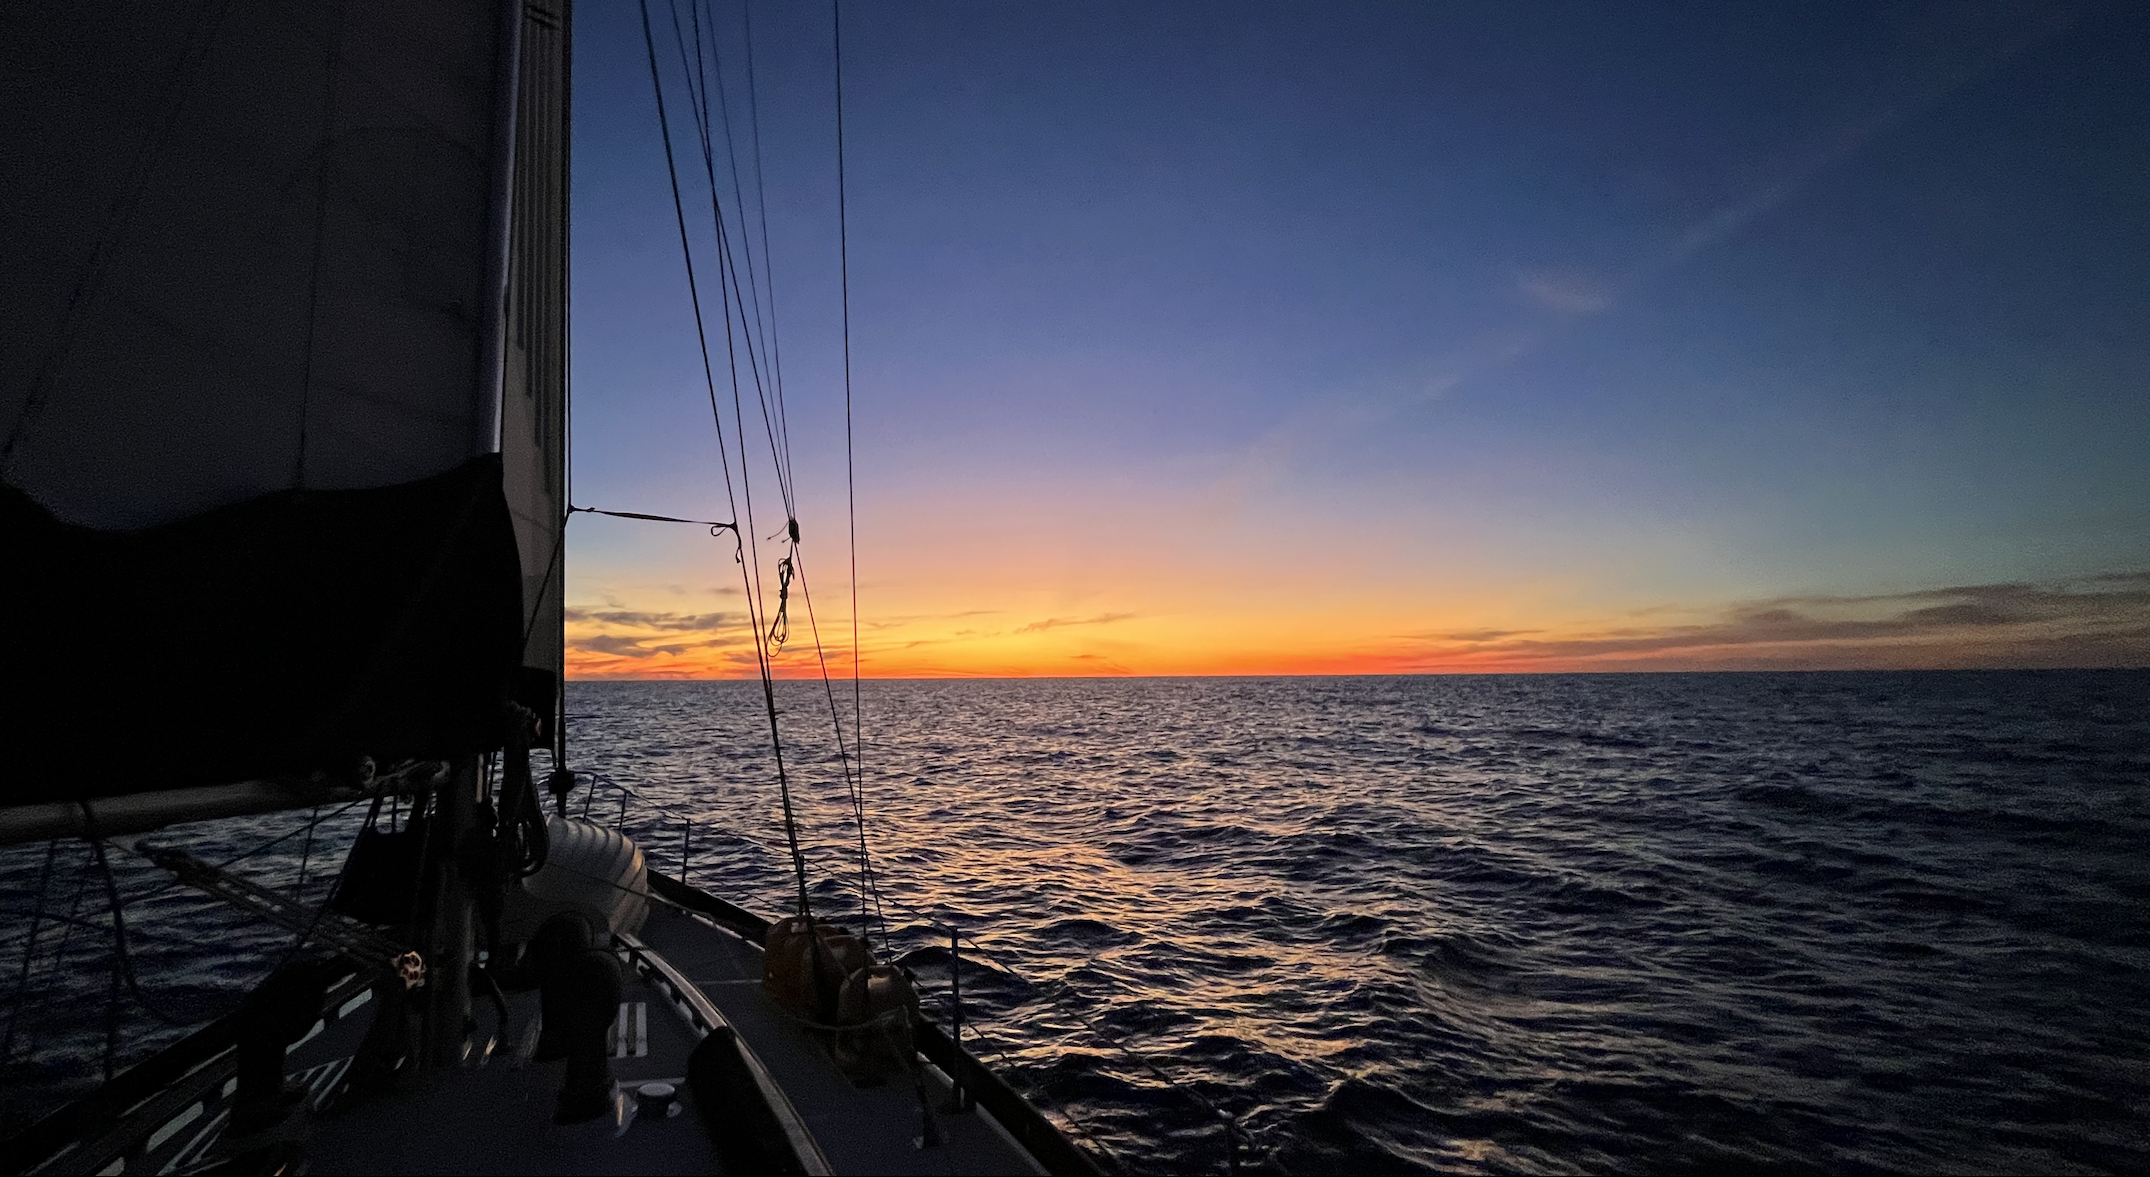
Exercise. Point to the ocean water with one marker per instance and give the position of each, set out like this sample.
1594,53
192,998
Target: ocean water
1790,922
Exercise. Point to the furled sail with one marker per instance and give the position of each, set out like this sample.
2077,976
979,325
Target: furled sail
282,383
533,411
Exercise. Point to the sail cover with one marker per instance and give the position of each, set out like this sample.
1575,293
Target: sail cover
255,308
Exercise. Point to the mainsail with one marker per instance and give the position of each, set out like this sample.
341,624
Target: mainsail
282,392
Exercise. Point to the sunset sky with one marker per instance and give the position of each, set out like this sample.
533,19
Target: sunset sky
1248,339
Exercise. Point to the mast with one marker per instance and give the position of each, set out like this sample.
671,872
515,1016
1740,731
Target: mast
524,380
449,940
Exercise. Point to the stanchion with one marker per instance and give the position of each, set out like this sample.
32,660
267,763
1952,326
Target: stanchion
959,1099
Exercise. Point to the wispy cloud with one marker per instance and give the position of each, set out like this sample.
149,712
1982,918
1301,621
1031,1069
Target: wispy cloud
622,647
1476,635
644,619
1571,294
1965,42
1061,622
903,619
2103,620
599,638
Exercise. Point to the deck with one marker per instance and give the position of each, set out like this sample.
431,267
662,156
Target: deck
686,978
497,1118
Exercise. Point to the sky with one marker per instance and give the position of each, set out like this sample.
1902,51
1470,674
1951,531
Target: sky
1374,338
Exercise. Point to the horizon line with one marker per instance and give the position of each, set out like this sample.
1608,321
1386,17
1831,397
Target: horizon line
1390,674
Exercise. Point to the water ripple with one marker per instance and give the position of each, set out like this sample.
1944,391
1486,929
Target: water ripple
1799,922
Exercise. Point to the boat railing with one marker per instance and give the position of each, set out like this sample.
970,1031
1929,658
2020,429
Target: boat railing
755,928
971,1078
165,1112
1228,1123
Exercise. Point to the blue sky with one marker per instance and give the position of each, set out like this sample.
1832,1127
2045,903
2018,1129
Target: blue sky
1281,335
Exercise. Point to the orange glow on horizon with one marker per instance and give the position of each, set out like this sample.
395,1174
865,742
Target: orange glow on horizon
2099,623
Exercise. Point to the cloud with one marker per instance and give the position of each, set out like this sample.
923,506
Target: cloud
621,647
1098,662
649,634
2095,621
1476,635
914,618
1570,294
642,619
1963,43
1061,622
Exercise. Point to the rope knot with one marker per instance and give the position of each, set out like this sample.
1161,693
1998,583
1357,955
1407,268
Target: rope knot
780,628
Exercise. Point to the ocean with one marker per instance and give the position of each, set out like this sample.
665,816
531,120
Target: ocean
1550,923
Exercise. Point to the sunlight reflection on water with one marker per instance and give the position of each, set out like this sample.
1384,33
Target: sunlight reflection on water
1817,922
1601,922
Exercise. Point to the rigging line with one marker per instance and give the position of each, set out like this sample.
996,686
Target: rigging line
123,961
343,872
29,950
697,82
854,780
765,378
709,379
745,552
287,835
1058,999
686,251
771,346
855,783
306,854
74,912
765,326
537,608
768,691
711,524
728,266
851,509
1040,1098
68,925
750,572
757,606
425,808
779,456
780,629
761,203
1035,1094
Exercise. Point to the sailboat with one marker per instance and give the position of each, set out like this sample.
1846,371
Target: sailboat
284,401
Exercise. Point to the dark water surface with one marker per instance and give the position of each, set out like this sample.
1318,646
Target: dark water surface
1799,922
